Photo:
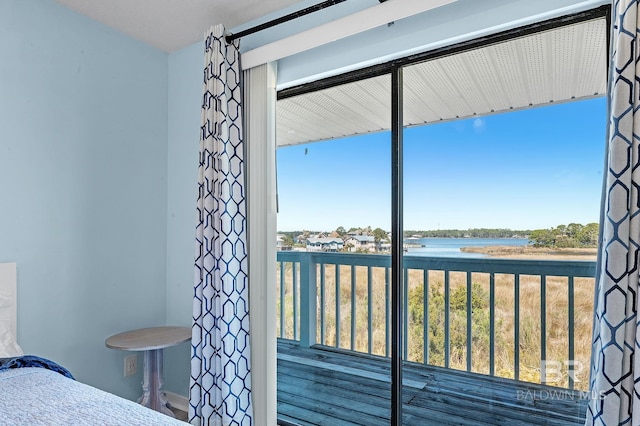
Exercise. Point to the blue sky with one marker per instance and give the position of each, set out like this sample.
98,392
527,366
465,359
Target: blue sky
529,169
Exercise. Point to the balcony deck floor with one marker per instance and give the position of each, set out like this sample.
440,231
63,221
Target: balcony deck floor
325,386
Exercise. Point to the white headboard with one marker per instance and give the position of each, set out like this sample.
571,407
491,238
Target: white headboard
8,309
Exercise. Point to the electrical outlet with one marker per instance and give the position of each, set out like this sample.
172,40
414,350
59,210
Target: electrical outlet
130,365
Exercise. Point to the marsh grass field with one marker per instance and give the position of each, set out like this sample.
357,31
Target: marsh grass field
557,321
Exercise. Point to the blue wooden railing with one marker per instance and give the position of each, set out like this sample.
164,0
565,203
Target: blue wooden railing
306,276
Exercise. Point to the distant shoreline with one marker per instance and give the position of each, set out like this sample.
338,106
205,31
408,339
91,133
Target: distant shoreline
528,252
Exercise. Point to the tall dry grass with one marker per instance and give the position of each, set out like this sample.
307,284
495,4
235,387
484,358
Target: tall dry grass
530,319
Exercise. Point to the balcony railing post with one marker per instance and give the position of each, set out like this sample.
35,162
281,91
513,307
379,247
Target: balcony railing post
308,301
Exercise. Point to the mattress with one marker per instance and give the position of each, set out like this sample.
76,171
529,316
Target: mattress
38,396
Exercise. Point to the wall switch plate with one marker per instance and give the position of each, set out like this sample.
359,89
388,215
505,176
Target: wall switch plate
130,365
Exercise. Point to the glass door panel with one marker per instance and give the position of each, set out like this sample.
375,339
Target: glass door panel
333,165
503,161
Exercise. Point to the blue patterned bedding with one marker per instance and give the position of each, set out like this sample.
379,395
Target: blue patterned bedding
34,391
33,361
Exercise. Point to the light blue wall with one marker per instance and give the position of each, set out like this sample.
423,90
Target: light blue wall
185,92
83,178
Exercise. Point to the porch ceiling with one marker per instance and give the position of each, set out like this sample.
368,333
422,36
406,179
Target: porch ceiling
558,65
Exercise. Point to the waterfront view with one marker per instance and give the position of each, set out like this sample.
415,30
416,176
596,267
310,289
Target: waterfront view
488,299
454,246
512,248
467,247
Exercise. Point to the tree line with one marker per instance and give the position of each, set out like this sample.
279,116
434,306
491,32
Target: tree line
562,236
566,236
469,233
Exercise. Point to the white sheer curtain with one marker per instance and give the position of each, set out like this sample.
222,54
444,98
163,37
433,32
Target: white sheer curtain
615,366
260,103
220,387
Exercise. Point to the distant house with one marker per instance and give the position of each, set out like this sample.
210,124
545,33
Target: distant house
324,244
281,245
361,242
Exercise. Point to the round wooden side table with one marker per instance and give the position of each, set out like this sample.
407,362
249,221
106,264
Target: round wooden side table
151,341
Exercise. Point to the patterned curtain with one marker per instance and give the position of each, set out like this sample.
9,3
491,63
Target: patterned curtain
615,367
220,386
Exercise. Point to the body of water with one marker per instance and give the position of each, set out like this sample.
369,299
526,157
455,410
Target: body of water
450,247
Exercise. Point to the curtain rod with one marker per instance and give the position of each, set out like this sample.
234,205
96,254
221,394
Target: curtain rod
283,19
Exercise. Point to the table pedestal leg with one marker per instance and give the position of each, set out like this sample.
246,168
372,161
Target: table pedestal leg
152,395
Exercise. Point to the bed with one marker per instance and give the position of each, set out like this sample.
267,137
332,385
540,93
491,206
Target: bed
37,391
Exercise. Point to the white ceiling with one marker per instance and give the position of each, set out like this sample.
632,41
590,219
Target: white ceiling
173,24
555,66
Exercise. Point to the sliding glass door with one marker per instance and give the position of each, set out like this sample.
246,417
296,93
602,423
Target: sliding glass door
438,222
333,165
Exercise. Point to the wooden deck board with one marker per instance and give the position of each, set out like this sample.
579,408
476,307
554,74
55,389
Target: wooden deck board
321,386
340,398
